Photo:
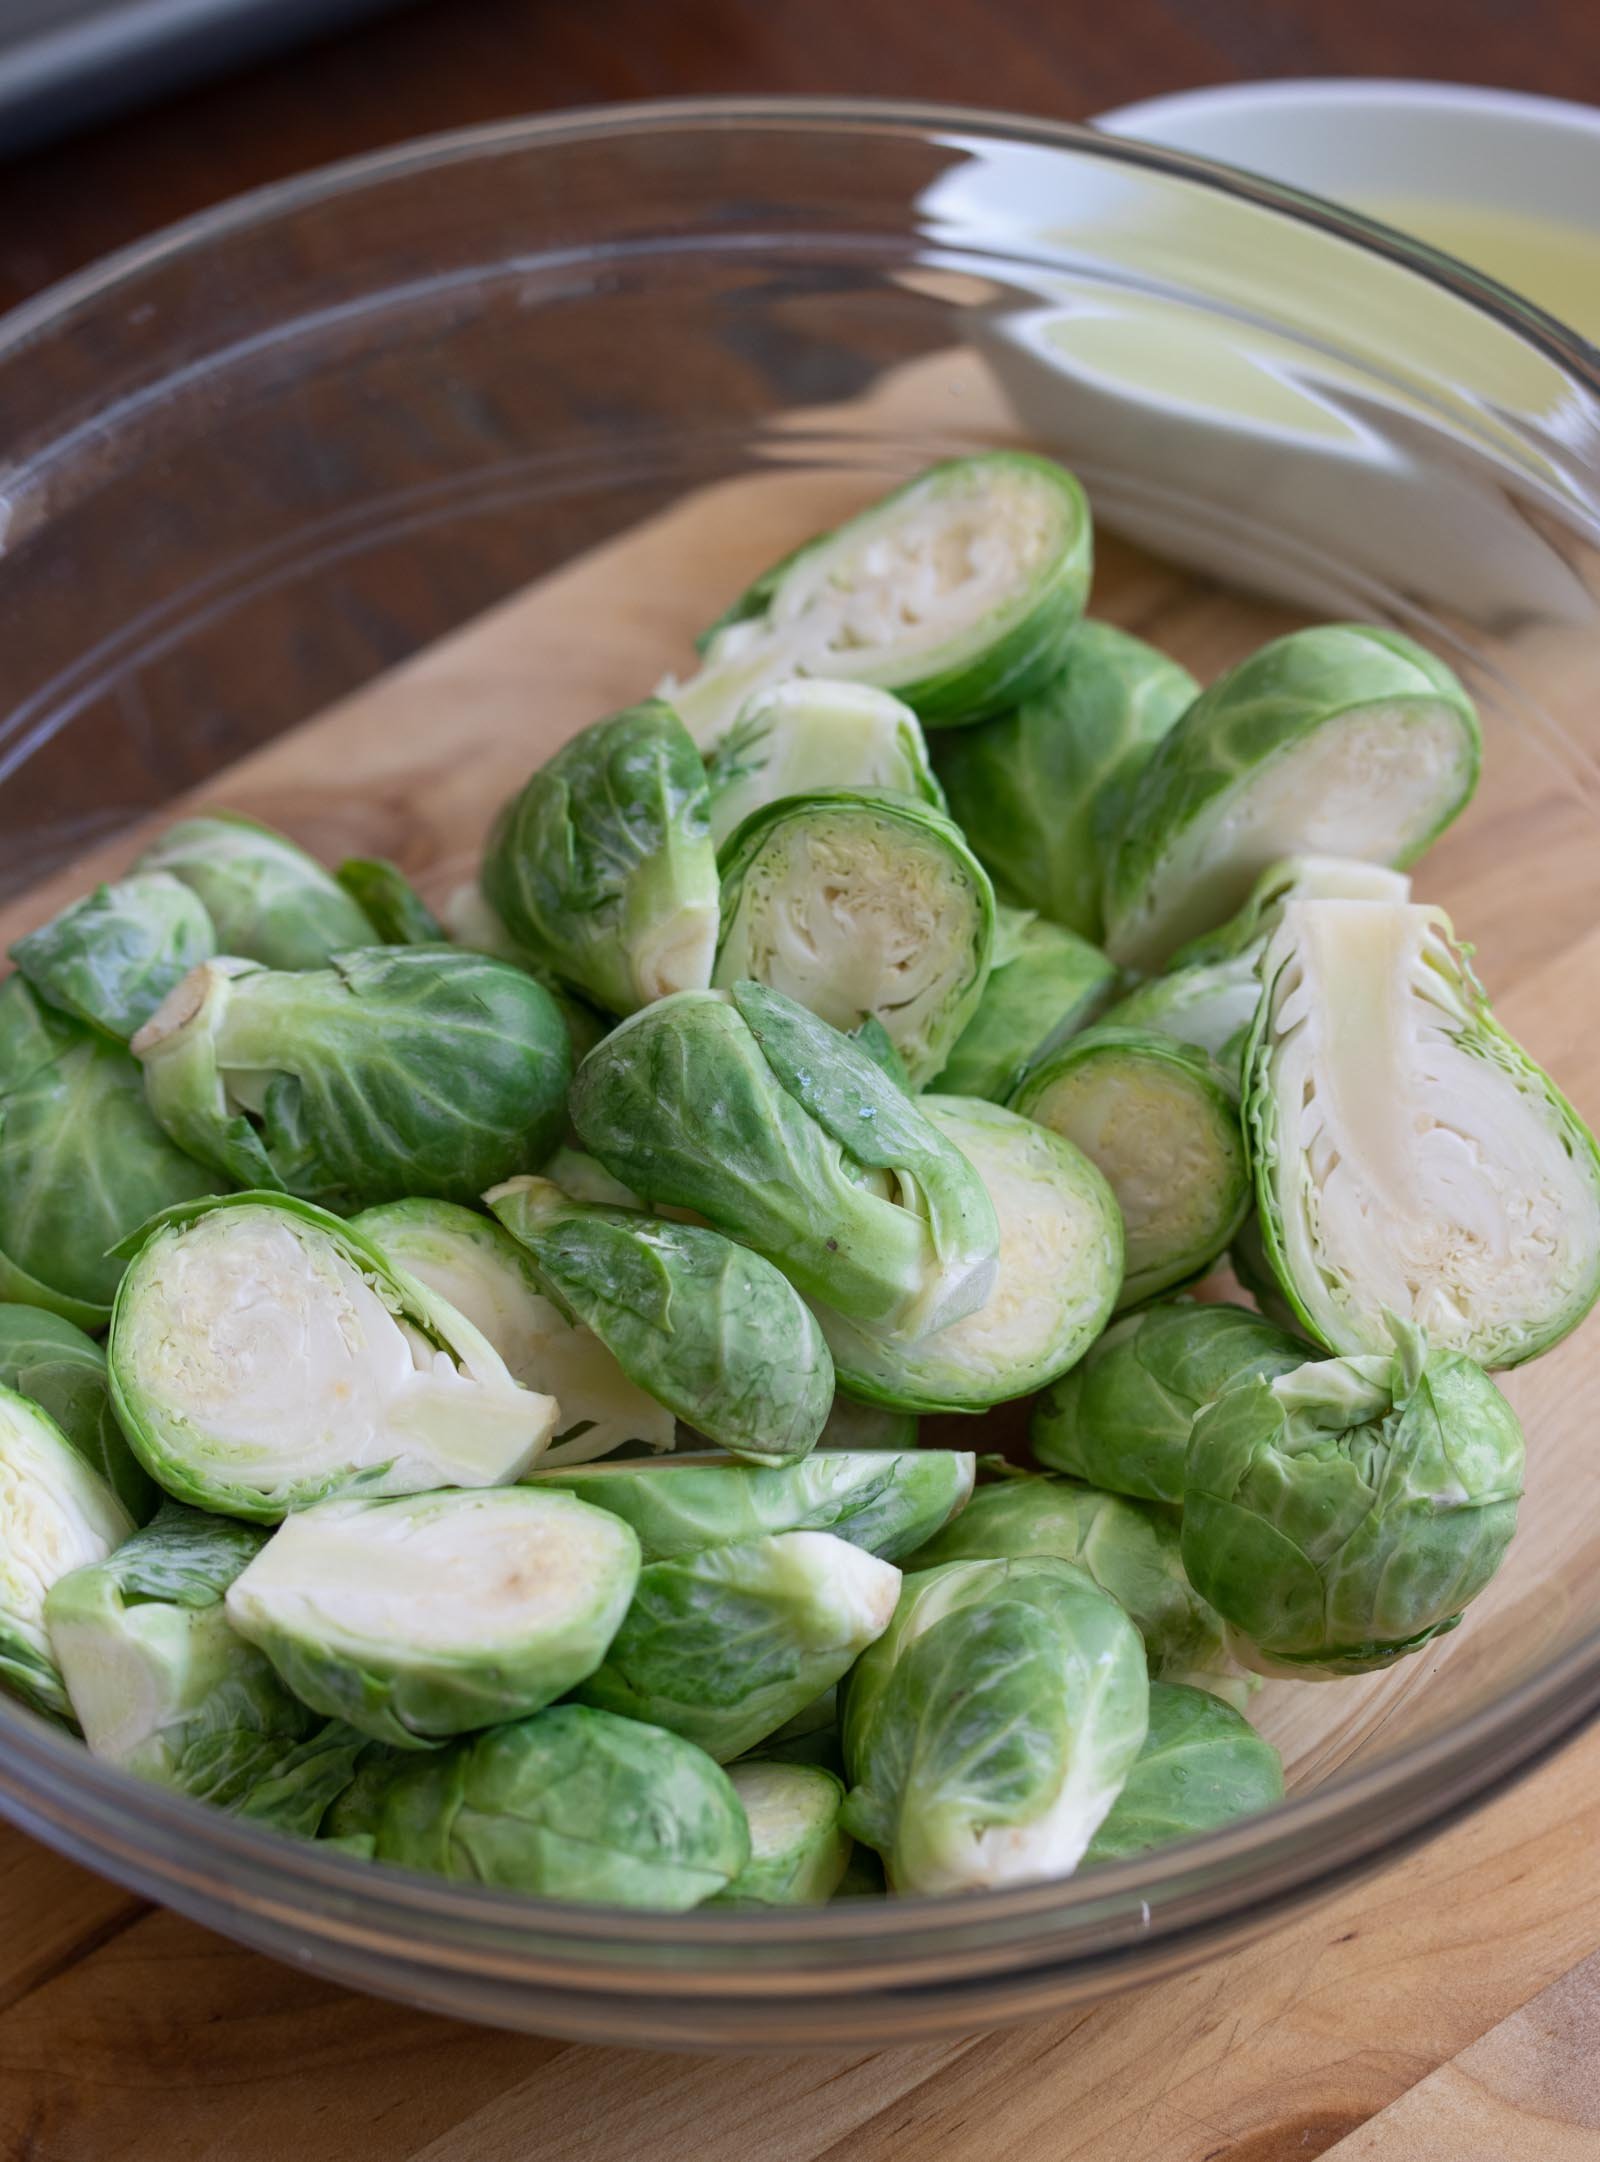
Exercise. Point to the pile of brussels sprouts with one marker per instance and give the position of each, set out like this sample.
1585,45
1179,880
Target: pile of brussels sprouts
503,1459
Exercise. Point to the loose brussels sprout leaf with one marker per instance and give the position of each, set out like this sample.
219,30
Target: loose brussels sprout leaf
711,1330
1341,740
884,1503
871,1037
585,1178
798,1848
1410,1158
391,904
398,1071
810,1737
50,1361
958,592
570,1804
56,1515
1161,1121
867,1426
431,1614
1345,1514
724,1645
815,1159
1201,1766
160,1682
263,1355
82,1162
477,1267
862,907
604,863
1129,1548
1061,1260
268,900
991,1727
1121,1418
1045,985
112,958
1040,792
300,1789
803,735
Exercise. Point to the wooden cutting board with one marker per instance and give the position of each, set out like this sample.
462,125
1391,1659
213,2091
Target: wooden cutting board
1448,2011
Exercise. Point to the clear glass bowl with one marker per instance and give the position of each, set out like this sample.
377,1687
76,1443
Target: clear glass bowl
257,461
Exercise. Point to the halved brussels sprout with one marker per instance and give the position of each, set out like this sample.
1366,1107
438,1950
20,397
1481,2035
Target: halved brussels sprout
1129,1548
990,1729
1161,1121
1045,984
886,1504
806,734
748,1109
267,899
957,591
56,1515
1345,1514
111,958
724,1645
1121,1418
714,1332
51,1362
867,1426
861,906
1410,1158
1061,1261
1201,1766
263,1355
798,1848
82,1162
603,864
391,904
398,1071
425,1616
1040,792
160,1681
568,1804
1340,740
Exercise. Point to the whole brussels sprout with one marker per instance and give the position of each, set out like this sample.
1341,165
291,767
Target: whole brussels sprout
1347,1513
264,1355
1061,1260
1409,1157
51,1362
717,1334
604,866
1201,1766
110,959
957,592
1341,740
397,1071
990,1728
1161,1121
471,922
267,899
1045,984
1041,791
1121,1418
815,1158
799,1850
861,906
398,914
808,733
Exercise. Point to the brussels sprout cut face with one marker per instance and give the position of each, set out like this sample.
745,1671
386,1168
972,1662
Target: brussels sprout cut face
1161,1122
268,900
1202,1765
861,906
111,959
1341,740
1061,1258
958,592
798,1848
433,1614
804,735
1045,985
1410,1158
264,1355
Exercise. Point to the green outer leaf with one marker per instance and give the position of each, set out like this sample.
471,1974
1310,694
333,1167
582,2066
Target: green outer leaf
391,904
111,958
604,864
1201,1766
1233,736
472,923
296,1794
49,1360
1041,791
1121,1418
267,899
1180,1230
571,1804
885,823
1051,984
811,733
798,1848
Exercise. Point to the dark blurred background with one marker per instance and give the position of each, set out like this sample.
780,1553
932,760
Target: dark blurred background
221,95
